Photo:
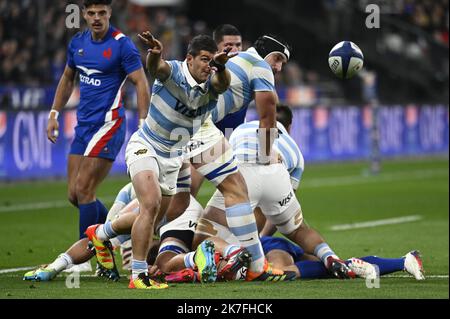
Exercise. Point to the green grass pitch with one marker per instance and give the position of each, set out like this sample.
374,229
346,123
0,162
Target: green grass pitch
37,223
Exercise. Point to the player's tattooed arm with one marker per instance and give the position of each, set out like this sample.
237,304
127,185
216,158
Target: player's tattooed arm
156,66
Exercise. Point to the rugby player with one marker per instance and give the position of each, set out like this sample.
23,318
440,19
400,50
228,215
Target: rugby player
252,78
183,95
104,58
276,199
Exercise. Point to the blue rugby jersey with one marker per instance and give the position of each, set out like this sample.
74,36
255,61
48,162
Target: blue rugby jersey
245,143
103,67
178,108
250,73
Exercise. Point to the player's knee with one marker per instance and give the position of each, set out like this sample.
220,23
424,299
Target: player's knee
150,206
72,197
84,191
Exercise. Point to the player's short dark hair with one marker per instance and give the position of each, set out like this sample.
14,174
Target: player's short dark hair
88,3
202,43
224,29
284,115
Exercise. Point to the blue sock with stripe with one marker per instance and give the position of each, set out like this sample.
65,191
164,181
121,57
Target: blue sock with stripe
312,269
123,238
102,212
242,224
386,265
323,251
88,217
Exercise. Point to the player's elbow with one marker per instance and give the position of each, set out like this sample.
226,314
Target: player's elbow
221,86
267,120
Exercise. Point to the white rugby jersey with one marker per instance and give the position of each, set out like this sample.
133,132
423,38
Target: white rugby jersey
245,143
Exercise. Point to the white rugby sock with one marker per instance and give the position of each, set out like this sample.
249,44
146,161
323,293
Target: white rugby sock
63,261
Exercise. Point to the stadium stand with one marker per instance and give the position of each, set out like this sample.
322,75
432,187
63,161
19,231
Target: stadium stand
33,40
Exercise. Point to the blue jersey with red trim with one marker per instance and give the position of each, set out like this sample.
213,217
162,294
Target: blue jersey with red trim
103,67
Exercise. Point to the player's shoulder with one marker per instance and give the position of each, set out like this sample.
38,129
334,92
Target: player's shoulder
251,56
79,36
118,35
179,73
247,125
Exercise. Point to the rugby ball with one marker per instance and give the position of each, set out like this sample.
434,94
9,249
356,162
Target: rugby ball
345,59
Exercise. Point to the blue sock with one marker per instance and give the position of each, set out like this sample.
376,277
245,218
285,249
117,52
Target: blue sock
88,216
102,213
312,269
386,265
109,231
123,238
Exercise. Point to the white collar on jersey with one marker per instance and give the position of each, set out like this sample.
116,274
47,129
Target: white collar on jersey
191,81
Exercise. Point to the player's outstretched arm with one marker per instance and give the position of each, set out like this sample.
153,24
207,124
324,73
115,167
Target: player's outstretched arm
156,66
63,93
221,80
139,79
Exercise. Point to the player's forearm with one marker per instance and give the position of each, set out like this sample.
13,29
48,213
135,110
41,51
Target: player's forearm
221,81
156,66
143,98
63,93
267,130
152,63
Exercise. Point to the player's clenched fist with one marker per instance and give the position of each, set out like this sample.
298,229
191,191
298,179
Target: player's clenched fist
52,129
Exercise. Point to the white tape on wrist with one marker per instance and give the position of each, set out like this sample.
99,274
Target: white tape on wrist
53,112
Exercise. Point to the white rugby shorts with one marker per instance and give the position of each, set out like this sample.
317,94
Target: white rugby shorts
269,187
139,149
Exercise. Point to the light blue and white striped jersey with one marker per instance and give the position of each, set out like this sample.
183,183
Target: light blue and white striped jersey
126,195
178,108
250,73
245,143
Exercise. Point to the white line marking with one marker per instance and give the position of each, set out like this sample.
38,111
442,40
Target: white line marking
31,207
358,179
375,223
5,271
409,276
311,183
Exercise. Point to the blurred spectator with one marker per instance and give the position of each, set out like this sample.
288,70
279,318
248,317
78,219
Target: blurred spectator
339,15
34,38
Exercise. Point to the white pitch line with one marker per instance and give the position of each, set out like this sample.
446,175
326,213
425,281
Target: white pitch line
42,205
6,271
375,223
311,183
359,179
382,178
409,276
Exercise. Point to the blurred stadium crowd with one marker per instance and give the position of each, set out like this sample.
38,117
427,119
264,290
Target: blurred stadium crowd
33,36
